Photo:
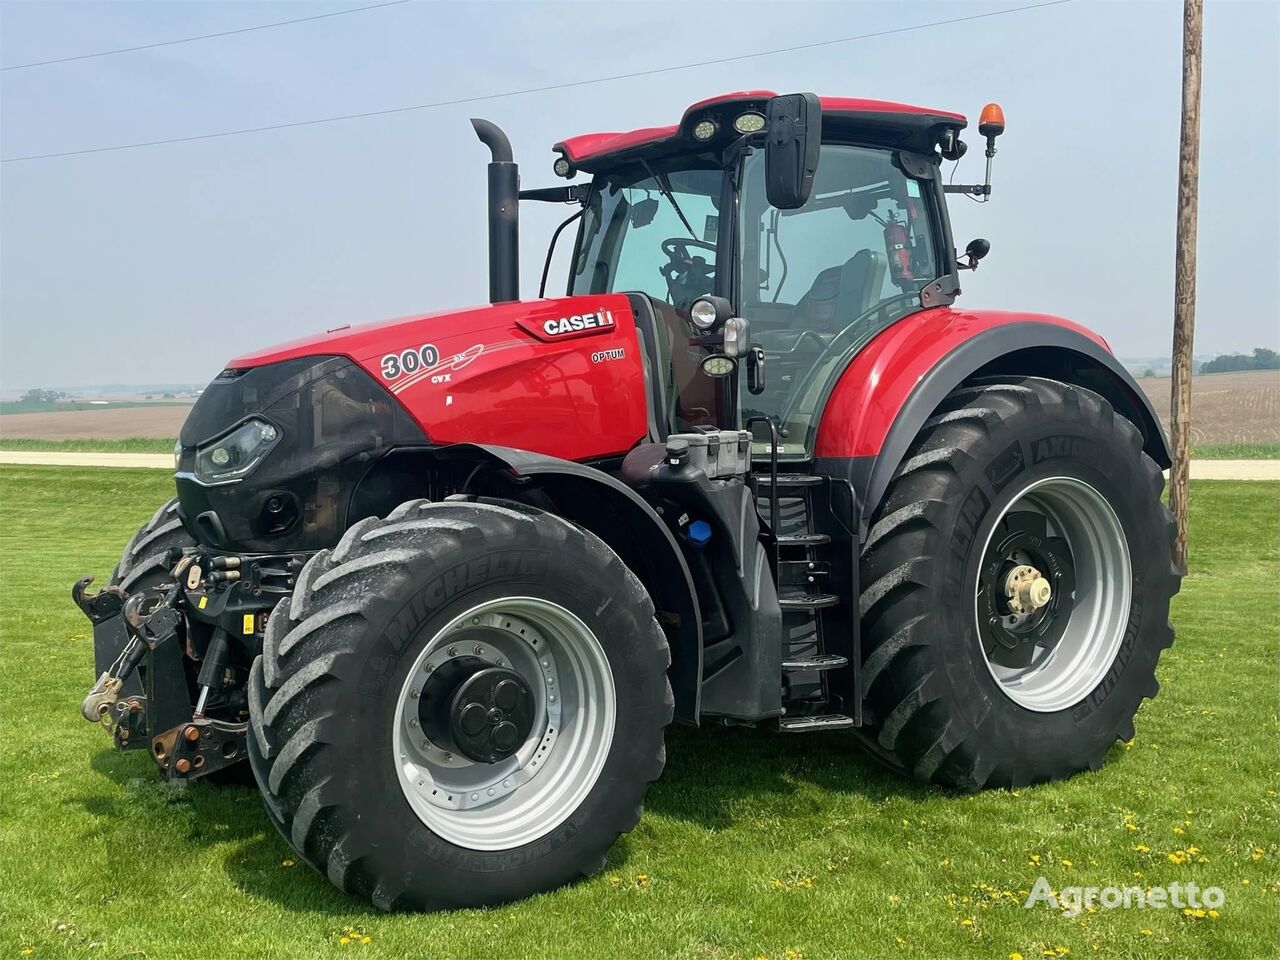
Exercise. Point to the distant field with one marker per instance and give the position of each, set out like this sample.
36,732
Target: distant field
1226,408
8,407
100,423
122,445
1233,416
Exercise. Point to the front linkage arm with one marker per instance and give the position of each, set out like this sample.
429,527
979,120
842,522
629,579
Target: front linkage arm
225,598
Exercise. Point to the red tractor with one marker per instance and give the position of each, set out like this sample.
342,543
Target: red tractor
444,581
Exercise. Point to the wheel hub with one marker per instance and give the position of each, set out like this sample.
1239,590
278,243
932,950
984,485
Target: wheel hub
1025,590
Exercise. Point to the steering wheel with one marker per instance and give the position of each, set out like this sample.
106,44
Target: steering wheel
686,274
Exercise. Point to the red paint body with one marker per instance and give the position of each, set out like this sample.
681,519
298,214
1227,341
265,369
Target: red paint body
876,384
555,396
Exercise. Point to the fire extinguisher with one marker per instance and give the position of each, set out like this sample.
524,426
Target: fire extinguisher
896,249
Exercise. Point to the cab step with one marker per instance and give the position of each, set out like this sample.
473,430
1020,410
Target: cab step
803,540
807,601
814,724
821,661
789,480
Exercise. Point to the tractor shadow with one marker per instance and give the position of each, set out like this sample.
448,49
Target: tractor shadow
201,815
714,771
714,777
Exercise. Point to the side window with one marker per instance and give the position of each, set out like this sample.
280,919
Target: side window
818,282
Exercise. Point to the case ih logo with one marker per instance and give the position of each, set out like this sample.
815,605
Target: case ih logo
562,328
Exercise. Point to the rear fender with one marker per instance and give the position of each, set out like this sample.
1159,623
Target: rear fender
618,515
885,395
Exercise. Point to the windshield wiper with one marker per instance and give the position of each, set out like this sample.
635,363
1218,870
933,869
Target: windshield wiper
664,187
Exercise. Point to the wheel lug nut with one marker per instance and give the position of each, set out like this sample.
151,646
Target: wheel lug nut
413,721
453,651
413,694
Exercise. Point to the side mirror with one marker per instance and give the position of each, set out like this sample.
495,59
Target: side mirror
793,137
975,251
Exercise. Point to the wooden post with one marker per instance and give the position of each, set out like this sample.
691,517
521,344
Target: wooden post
1184,283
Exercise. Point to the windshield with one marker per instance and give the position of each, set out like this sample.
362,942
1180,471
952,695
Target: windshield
819,281
651,229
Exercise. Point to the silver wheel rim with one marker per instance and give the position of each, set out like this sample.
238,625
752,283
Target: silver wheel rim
502,805
1061,674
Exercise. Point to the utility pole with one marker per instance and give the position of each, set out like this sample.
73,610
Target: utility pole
1184,283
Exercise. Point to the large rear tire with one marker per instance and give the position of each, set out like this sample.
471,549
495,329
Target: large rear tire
1017,580
362,706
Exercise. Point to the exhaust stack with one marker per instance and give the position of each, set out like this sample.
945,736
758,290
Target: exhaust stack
504,214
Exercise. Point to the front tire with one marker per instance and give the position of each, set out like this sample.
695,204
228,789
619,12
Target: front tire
368,741
1017,585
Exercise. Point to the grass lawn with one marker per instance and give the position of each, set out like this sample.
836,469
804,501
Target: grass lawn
751,845
125,445
1233,451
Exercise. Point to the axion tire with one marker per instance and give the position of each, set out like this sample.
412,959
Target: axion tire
344,672
145,562
965,690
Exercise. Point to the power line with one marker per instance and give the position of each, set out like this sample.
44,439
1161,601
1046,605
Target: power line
543,89
203,36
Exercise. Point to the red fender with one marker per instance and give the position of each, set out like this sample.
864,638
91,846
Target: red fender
882,399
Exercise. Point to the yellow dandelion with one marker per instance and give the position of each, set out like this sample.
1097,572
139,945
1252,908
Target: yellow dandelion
365,939
1062,951
1178,830
344,939
1142,848
1067,863
27,951
1035,858
1214,914
1015,956
286,863
966,922
1257,853
1130,826
1146,931
642,879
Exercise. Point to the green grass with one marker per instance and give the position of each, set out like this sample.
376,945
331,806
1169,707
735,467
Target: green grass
751,844
125,445
1236,451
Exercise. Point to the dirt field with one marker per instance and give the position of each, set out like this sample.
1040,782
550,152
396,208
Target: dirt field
1226,407
95,424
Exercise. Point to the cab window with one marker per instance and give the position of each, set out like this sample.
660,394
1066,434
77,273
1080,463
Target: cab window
819,281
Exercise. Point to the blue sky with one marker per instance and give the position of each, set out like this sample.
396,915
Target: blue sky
160,264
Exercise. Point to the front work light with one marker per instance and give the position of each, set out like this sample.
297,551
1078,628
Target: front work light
234,456
749,122
703,314
718,365
704,130
563,168
736,338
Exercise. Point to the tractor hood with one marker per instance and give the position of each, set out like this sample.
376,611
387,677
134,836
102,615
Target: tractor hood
275,446
560,376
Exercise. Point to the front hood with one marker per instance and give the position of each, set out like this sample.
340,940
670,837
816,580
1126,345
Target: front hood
371,341
563,377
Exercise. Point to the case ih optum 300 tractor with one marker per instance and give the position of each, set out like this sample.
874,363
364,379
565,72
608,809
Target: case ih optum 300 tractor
444,581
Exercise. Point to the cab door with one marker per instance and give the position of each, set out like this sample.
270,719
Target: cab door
820,281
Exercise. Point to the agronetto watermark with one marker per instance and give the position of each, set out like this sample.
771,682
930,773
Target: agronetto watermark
1073,901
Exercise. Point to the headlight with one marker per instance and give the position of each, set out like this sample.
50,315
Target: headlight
177,454
703,313
234,456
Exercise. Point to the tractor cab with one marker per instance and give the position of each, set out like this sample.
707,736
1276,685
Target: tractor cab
813,255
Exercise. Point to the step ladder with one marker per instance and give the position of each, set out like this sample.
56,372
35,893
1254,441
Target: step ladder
802,594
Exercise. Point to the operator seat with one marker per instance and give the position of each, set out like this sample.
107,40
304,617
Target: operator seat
839,295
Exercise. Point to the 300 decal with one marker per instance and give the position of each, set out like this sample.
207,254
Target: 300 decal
409,361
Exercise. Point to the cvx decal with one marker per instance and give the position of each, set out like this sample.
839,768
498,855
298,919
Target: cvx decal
439,371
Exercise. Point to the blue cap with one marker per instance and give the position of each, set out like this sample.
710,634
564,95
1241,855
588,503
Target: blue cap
699,533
